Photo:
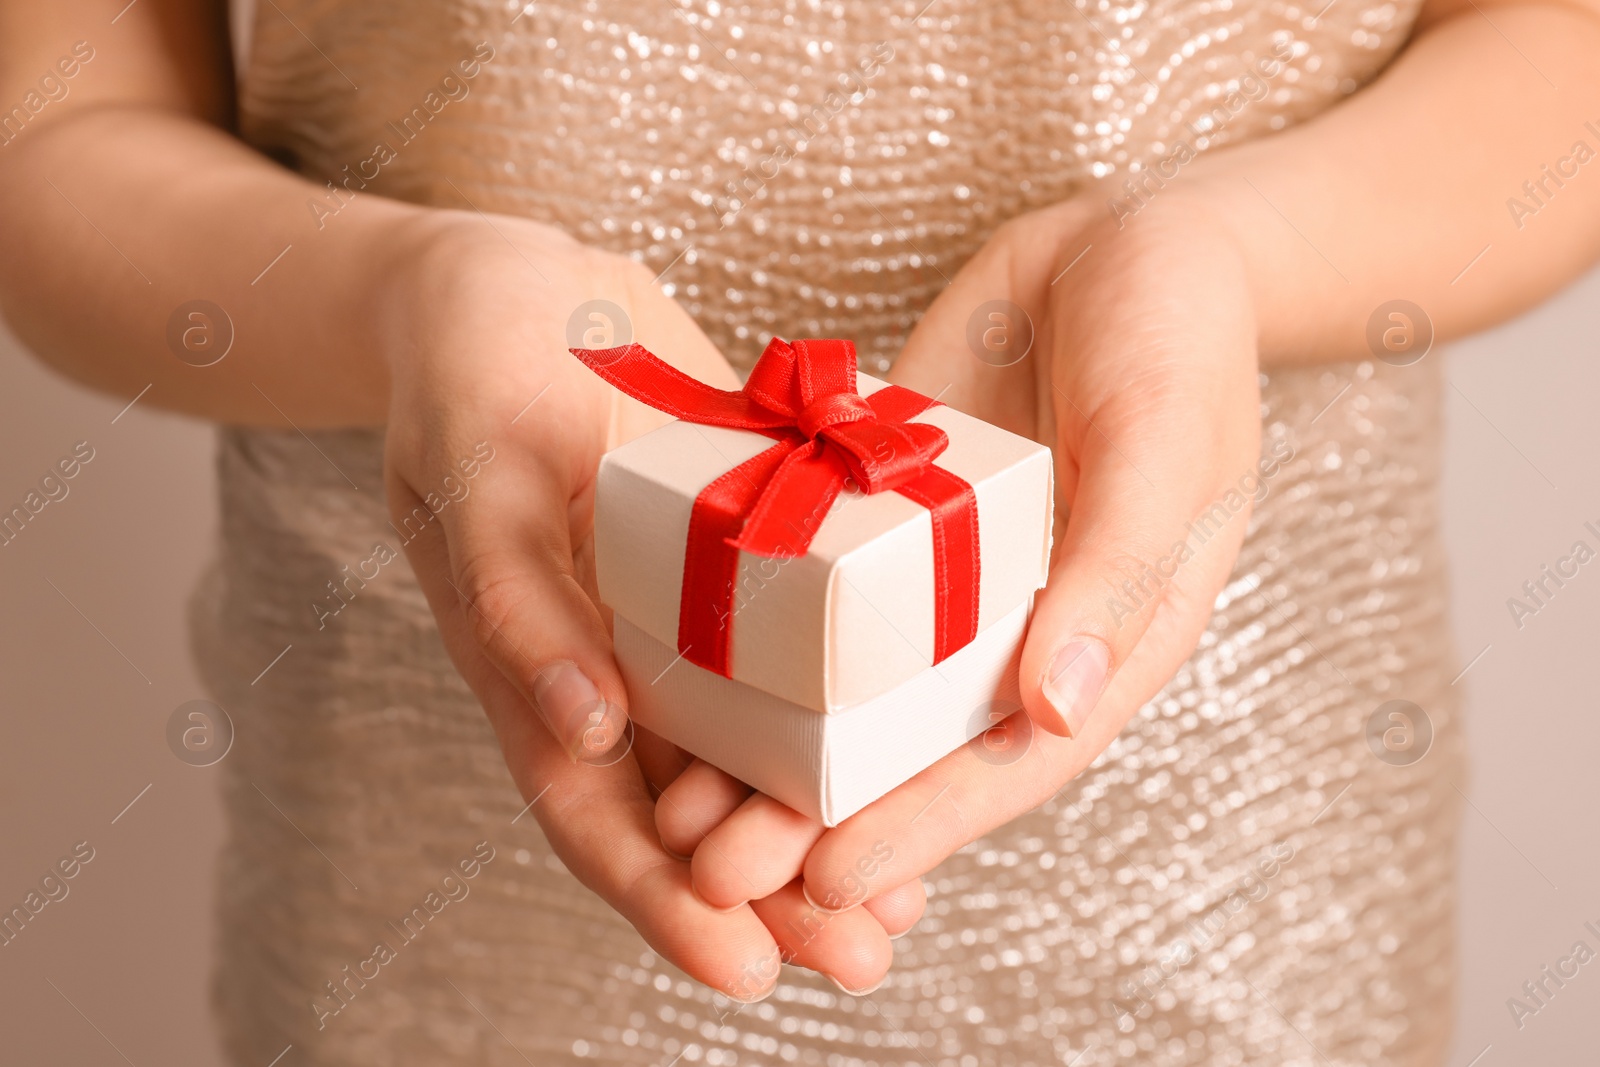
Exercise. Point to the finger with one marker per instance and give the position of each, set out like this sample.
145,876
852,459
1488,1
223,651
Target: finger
511,564
694,804
850,948
898,910
754,852
907,832
599,820
660,761
1141,460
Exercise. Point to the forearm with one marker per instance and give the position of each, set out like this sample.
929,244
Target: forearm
117,216
1398,192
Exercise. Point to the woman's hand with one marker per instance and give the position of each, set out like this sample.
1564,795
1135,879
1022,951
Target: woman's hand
476,339
732,862
1142,376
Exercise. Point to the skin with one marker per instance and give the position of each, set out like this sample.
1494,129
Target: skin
1146,381
419,318
1143,377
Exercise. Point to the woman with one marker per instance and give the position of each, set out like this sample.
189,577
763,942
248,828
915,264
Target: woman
1196,859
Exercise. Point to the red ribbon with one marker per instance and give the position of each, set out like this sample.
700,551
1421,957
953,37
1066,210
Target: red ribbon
802,394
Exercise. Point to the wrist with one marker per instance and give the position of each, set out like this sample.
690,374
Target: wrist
1184,228
431,266
1308,303
411,257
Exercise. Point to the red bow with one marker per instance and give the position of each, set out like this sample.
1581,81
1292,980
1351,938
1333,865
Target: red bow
802,394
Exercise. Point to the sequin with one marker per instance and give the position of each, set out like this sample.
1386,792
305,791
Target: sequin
1237,880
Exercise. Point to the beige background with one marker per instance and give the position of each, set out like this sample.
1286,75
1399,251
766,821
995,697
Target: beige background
91,668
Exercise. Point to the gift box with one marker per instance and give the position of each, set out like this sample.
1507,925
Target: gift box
819,583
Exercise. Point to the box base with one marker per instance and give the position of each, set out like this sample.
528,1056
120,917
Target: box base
827,766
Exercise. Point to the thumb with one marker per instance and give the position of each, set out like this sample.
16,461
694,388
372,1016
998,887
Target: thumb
1157,512
510,562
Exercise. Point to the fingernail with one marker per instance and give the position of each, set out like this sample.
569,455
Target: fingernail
755,999
805,892
902,933
857,992
572,709
1073,681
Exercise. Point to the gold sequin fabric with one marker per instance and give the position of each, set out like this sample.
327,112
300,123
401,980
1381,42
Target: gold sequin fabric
1251,874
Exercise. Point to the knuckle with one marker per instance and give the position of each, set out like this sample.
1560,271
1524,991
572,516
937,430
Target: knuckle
1132,564
958,826
1126,563
494,598
1135,578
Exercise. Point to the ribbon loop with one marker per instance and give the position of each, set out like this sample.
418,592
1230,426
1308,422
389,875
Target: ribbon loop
882,456
802,394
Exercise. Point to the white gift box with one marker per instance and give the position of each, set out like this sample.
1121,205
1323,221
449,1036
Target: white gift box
834,698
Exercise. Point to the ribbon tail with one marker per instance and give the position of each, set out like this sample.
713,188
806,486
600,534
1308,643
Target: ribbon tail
650,380
790,510
953,506
706,605
896,403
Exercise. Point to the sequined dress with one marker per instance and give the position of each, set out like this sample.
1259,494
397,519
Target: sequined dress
1239,879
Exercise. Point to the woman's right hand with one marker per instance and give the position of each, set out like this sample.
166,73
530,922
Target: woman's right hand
476,311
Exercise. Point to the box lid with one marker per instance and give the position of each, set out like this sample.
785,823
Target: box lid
854,617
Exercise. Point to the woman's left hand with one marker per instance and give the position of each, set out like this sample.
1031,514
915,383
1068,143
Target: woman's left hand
1142,376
